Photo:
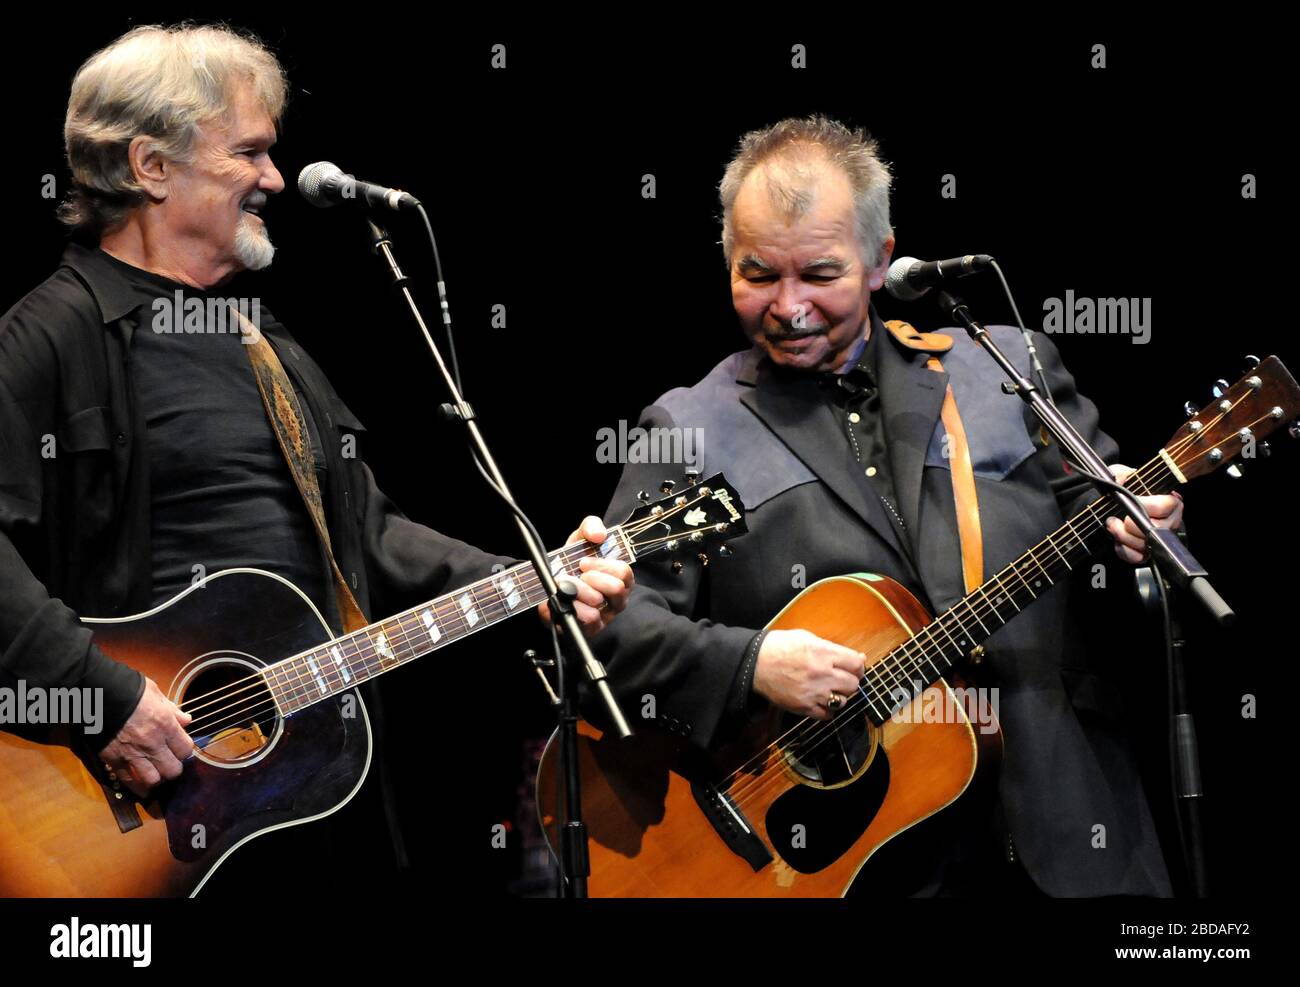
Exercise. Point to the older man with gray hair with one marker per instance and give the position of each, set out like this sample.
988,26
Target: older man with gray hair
829,427
135,449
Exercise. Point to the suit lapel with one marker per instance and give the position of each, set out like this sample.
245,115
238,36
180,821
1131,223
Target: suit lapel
795,410
911,399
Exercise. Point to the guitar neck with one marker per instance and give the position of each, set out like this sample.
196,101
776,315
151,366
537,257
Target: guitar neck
950,638
345,662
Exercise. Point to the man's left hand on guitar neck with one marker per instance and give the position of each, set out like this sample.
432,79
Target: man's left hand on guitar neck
604,587
1166,511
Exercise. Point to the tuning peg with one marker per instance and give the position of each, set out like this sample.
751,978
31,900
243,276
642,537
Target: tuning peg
1220,388
692,476
642,496
667,486
1235,471
1294,430
704,558
1191,409
725,551
1252,362
1263,450
677,567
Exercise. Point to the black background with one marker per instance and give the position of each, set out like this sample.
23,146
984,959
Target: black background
1122,181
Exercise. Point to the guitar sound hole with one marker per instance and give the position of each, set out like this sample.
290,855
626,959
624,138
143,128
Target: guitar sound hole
235,719
830,753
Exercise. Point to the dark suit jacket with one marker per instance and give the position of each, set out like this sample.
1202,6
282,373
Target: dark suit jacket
687,639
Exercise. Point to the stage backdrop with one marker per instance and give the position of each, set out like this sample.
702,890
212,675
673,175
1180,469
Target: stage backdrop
571,177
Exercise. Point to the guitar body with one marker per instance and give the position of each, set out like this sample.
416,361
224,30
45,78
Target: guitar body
258,772
281,735
819,815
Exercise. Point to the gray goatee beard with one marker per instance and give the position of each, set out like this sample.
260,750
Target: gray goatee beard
253,248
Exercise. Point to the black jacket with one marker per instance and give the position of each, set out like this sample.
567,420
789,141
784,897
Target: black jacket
689,638
74,489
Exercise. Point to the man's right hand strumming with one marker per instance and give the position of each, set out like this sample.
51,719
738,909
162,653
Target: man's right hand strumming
151,745
800,672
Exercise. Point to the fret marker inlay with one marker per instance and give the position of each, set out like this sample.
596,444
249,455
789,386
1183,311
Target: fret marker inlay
431,626
342,665
315,671
507,589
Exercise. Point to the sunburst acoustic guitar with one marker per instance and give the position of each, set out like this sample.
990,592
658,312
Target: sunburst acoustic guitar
281,734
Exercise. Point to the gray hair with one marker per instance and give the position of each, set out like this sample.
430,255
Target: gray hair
798,144
159,82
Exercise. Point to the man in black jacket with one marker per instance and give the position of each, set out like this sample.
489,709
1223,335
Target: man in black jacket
135,451
830,430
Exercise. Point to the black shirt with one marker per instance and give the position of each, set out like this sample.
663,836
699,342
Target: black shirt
854,396
221,493
75,526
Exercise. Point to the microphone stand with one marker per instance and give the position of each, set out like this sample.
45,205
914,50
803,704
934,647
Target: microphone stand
1169,558
1184,752
574,863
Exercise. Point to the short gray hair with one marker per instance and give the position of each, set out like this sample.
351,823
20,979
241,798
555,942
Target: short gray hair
796,142
160,82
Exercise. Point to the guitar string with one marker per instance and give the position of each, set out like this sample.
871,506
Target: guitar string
833,725
297,683
1154,471
302,689
630,528
811,733
299,688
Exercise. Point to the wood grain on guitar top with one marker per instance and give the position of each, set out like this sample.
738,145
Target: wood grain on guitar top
58,835
649,837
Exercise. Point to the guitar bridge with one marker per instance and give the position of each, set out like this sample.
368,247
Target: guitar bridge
730,824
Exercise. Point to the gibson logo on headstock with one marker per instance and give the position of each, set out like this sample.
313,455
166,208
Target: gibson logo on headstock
723,497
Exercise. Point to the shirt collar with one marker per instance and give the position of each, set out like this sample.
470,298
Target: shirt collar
855,355
861,366
117,295
114,295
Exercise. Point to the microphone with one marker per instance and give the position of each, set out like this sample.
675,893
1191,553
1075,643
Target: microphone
908,278
323,183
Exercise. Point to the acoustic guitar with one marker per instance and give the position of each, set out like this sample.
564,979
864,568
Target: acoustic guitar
281,734
797,807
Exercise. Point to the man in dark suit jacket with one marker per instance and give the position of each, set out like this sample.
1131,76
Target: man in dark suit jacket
830,430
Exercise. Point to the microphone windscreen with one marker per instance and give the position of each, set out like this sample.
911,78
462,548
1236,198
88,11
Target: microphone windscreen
311,181
896,280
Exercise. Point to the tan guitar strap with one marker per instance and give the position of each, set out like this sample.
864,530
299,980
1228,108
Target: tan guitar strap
282,408
963,475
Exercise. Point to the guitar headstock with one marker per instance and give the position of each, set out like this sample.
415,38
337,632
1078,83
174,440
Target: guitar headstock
703,512
1236,422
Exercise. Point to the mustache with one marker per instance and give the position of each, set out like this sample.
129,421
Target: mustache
789,332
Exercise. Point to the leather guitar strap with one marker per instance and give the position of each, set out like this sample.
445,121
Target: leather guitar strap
963,475
282,408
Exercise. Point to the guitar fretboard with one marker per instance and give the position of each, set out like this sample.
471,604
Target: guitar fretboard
348,661
950,638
